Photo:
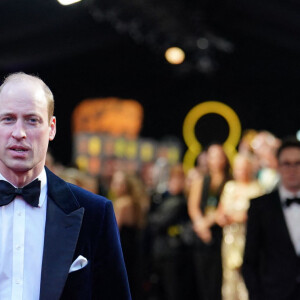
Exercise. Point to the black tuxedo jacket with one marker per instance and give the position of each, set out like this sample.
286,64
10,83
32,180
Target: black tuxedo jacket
81,223
271,266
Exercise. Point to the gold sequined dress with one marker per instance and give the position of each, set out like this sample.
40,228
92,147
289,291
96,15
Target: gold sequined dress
235,201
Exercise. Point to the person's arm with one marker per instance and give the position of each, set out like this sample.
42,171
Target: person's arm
251,263
201,224
222,218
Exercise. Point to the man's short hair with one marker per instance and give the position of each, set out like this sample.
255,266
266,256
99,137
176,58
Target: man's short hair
23,76
289,142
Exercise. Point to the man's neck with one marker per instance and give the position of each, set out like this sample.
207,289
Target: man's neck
295,191
20,179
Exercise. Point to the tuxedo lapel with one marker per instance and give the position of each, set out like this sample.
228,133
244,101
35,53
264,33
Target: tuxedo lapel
63,223
280,226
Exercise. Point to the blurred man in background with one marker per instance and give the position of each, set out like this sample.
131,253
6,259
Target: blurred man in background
271,266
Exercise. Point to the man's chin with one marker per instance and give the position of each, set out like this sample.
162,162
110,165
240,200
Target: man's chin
19,168
293,187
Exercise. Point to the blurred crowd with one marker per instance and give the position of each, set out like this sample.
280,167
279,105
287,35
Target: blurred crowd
183,234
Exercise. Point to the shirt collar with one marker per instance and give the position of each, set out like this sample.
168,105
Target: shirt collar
43,178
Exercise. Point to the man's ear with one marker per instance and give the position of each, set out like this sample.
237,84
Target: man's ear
52,128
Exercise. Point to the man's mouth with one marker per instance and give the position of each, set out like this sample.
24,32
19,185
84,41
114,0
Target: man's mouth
17,149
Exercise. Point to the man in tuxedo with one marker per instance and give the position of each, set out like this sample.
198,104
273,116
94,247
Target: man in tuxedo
57,241
271,266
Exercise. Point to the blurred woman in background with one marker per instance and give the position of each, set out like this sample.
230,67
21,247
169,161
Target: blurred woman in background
203,202
232,215
131,205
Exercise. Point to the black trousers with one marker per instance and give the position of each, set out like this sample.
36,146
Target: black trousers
208,274
175,277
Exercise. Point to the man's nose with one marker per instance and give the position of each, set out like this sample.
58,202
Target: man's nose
19,131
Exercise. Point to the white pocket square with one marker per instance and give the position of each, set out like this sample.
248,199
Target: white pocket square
79,263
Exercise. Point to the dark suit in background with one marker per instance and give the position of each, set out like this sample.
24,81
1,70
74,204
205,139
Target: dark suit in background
271,266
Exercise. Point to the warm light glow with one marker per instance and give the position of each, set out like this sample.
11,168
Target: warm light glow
68,2
175,55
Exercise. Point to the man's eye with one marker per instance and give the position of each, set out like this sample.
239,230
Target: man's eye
33,120
295,164
7,119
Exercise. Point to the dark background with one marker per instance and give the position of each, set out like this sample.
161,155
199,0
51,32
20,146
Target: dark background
250,60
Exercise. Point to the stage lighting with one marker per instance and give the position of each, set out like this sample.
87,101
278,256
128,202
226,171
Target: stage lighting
175,55
68,2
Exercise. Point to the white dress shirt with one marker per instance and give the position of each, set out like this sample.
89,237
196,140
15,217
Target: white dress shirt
22,230
292,216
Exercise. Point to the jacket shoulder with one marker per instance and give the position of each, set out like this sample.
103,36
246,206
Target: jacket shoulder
86,198
70,197
265,199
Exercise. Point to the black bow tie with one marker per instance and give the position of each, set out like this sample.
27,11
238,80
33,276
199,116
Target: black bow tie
288,201
30,192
